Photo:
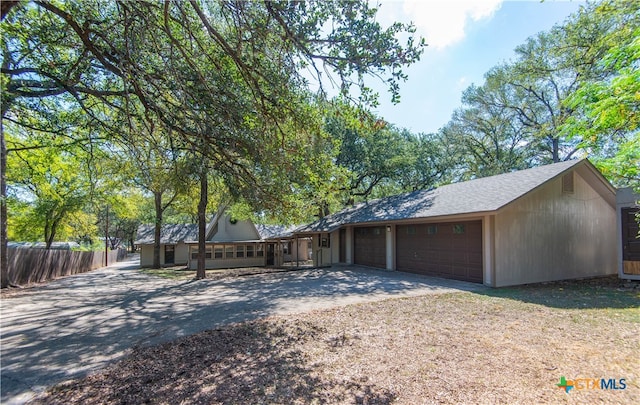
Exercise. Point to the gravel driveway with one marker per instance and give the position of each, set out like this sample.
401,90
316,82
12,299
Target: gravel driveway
75,325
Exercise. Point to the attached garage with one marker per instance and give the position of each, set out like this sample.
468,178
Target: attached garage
450,249
547,223
369,246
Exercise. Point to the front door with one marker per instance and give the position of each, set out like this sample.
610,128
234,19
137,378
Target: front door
271,251
169,254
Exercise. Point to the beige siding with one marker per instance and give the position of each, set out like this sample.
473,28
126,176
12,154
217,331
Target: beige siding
146,255
228,232
225,262
229,263
550,235
299,250
181,254
325,256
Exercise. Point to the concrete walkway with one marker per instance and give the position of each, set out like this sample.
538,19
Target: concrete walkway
78,324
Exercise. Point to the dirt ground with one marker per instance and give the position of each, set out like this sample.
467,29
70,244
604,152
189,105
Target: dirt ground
508,345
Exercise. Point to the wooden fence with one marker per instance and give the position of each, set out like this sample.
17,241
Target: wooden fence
27,266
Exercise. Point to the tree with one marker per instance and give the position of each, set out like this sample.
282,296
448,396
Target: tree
608,119
371,151
489,136
149,160
190,64
52,182
41,61
432,162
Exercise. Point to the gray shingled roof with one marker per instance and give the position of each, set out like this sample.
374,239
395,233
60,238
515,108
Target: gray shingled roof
274,231
172,234
474,196
169,234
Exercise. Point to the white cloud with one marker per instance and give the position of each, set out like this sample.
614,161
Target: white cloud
441,22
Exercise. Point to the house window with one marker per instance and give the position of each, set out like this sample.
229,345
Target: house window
432,229
249,250
207,253
567,183
286,248
228,252
411,230
325,241
458,229
218,252
260,250
240,251
194,253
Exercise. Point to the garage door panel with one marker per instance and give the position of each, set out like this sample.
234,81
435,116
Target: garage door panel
370,246
452,249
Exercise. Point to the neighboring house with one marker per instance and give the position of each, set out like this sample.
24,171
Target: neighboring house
229,243
173,247
628,208
547,223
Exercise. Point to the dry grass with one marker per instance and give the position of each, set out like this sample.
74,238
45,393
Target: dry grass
503,346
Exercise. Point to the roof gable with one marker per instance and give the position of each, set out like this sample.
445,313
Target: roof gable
487,194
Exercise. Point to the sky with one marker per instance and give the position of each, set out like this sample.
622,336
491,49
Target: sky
466,38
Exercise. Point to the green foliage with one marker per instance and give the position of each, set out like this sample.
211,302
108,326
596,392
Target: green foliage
48,193
378,159
218,83
608,105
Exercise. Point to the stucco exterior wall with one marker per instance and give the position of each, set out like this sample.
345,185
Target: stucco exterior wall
552,235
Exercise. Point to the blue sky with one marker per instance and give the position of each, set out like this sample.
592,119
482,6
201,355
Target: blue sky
466,39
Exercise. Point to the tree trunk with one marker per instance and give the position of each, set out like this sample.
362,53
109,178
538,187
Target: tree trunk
202,224
556,150
158,227
51,228
4,262
47,231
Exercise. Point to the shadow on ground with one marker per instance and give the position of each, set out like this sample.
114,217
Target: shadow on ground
79,324
239,364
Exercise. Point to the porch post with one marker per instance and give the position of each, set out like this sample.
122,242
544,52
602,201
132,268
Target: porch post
488,225
390,231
